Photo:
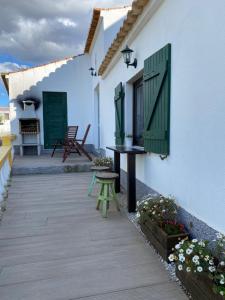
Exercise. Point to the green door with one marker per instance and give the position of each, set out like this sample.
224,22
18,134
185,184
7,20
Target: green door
54,116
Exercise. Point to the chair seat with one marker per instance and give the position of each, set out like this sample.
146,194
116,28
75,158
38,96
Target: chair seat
99,168
109,175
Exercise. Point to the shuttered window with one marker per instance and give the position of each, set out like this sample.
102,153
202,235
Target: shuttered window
119,114
157,101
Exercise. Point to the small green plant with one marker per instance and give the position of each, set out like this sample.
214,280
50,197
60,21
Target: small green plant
103,162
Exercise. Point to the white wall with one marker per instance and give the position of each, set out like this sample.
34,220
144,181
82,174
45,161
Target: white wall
194,172
72,77
107,28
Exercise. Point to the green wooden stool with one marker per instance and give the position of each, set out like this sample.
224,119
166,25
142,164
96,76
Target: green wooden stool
95,169
107,191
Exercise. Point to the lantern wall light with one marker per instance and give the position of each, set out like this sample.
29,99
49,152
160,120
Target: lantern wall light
93,72
127,56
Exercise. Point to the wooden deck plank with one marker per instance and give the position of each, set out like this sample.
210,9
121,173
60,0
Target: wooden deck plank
54,245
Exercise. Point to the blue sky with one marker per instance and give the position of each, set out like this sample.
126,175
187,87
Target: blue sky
4,100
39,31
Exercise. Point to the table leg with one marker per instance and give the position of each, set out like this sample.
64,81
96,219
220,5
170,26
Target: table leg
131,183
117,170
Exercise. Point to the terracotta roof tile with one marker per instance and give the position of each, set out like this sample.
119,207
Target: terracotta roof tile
132,16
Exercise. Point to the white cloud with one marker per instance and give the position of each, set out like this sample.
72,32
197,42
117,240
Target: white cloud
67,22
9,67
42,30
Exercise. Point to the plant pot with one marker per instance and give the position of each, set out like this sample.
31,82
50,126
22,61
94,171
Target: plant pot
129,142
200,286
162,242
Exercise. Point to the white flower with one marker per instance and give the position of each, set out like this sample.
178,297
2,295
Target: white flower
211,262
221,293
195,259
188,269
199,269
180,267
177,246
181,258
189,251
181,251
171,257
222,281
192,246
138,215
161,201
146,202
206,258
212,269
194,241
201,243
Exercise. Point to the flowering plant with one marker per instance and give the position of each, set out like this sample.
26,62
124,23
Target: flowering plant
193,256
172,227
103,162
158,208
219,276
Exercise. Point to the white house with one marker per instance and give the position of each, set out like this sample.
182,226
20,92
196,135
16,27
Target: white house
68,81
4,120
184,42
172,103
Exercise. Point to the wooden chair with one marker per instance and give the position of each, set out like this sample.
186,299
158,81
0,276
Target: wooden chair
69,137
77,146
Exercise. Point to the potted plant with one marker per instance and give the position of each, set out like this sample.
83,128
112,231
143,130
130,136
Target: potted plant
129,140
103,162
158,222
196,267
218,277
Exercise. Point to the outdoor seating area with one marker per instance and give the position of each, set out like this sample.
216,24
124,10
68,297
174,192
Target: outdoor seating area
112,166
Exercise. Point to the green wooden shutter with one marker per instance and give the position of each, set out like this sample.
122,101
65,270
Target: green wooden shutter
119,114
157,101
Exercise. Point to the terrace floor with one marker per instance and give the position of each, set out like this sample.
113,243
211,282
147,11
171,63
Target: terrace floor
54,245
45,164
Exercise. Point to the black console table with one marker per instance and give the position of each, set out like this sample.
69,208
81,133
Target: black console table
131,172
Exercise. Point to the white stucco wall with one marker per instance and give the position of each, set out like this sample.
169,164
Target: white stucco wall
72,77
106,30
194,172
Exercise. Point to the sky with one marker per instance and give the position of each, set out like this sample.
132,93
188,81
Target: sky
33,32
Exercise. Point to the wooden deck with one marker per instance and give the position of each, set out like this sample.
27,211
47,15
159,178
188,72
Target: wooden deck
54,245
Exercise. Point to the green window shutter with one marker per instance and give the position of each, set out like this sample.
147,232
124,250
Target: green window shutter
157,101
119,114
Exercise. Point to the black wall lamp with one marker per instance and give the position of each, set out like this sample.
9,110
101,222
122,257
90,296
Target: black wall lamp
93,72
127,55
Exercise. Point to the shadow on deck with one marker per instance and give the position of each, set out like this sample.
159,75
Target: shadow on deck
45,164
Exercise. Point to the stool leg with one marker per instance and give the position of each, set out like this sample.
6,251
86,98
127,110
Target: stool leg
92,183
101,194
114,196
104,207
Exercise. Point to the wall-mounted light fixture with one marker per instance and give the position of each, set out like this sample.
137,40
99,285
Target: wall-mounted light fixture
127,55
93,72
